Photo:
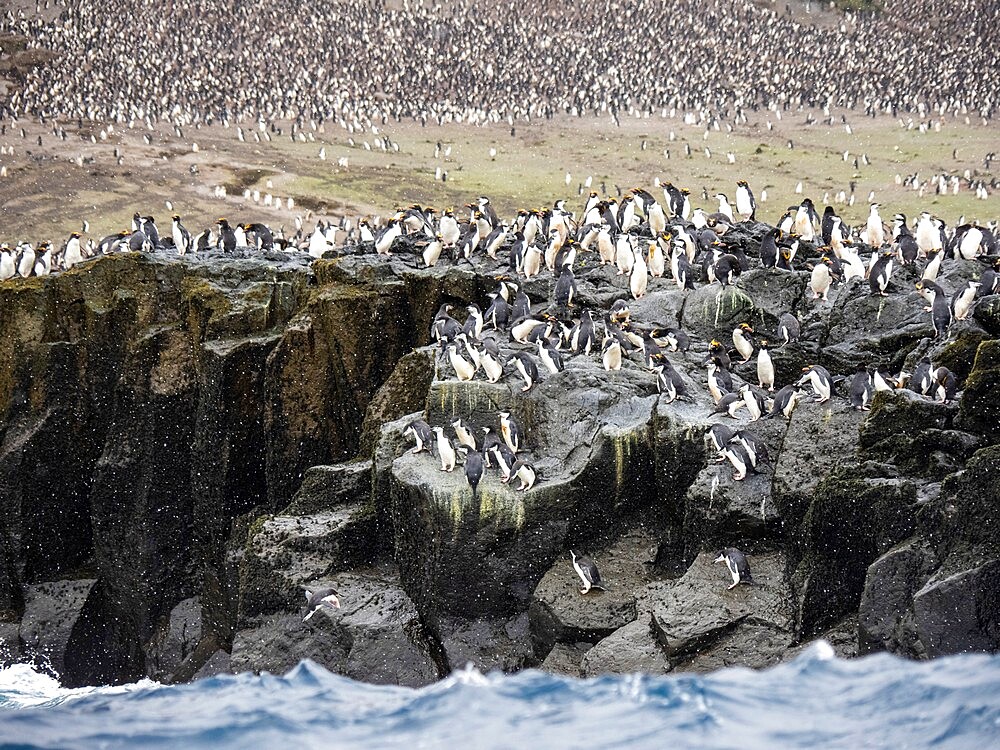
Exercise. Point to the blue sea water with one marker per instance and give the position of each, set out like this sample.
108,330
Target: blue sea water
815,701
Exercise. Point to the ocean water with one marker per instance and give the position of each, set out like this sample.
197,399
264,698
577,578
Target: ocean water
816,701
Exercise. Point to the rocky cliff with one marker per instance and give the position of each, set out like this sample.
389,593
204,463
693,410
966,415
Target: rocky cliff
185,445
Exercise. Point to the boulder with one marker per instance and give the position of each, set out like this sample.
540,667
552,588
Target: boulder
285,553
979,411
486,644
375,636
565,659
561,614
885,615
325,488
698,611
631,649
959,612
852,520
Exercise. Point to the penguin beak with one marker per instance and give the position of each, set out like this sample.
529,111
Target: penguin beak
720,558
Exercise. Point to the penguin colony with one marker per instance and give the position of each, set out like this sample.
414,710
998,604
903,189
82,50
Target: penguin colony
356,62
643,243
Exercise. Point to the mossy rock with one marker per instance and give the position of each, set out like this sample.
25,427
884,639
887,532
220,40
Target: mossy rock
851,522
979,410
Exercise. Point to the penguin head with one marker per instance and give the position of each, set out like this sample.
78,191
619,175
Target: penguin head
745,327
720,556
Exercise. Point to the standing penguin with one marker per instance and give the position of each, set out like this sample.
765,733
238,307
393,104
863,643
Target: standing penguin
510,431
963,302
765,367
73,254
745,203
527,368
565,288
526,473
611,354
940,310
878,276
180,235
742,341
788,328
227,236
638,277
737,455
821,279
550,357
819,378
769,248
875,229
474,470
861,389
421,433
590,577
446,450
736,563
464,370
785,401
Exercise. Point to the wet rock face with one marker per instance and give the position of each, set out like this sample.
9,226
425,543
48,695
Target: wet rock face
211,438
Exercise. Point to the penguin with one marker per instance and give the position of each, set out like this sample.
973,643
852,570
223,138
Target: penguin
736,563
821,279
317,600
464,370
465,435
263,239
550,357
727,269
788,328
719,435
677,339
490,441
227,237
521,308
73,253
755,400
765,367
619,312
590,577
655,260
742,341
819,378
446,450
718,352
8,267
922,378
861,389
769,248
611,354
736,454
878,276
933,265
785,401
754,446
421,433
510,431
474,470
875,230
989,282
719,381
43,259
745,203
531,265
526,473
668,380
638,277
724,208
963,302
26,260
730,403
494,240
944,385
583,338
448,228
432,252
940,310
527,368
474,321
498,314
490,361
565,288
505,461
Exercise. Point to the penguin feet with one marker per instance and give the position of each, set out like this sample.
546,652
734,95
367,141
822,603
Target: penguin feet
730,588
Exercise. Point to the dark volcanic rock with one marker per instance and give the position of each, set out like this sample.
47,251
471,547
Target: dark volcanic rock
960,613
376,636
51,611
885,615
630,649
